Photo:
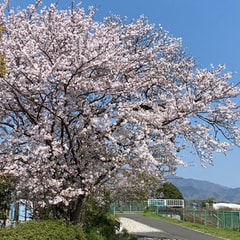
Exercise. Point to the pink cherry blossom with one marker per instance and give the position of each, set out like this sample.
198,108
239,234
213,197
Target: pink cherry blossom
84,103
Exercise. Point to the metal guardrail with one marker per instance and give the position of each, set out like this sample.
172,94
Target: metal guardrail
136,206
213,218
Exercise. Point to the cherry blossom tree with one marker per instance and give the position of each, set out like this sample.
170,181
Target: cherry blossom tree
84,102
2,61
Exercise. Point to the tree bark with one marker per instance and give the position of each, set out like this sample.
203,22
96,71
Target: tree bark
77,212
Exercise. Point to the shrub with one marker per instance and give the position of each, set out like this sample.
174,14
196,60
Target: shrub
101,223
43,230
98,217
126,236
93,234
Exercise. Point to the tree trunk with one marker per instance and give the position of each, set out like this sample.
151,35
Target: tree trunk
77,212
16,212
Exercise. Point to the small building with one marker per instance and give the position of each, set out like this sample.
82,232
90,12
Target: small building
217,206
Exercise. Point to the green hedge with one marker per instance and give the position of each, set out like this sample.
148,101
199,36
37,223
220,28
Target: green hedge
43,230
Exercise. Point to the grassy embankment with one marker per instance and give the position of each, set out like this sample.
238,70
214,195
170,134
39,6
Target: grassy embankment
218,232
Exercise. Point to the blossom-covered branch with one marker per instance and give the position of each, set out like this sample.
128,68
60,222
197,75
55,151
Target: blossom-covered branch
83,102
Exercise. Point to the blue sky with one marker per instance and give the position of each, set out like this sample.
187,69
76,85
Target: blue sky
211,34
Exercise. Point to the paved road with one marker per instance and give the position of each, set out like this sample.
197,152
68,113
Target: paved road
169,231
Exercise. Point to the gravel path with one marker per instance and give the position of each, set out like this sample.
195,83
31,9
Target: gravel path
154,229
136,227
143,231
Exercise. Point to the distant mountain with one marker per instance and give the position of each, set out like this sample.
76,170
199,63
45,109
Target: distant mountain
196,189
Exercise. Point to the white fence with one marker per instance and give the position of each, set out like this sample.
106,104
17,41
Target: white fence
166,203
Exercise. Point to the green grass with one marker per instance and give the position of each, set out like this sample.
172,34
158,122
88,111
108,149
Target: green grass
218,232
